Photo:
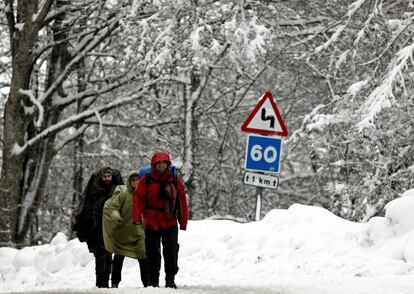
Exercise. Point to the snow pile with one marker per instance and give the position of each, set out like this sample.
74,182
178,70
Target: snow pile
44,266
304,242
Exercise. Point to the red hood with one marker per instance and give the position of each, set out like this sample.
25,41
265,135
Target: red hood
160,156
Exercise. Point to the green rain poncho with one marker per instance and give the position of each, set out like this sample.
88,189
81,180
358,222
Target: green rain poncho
125,238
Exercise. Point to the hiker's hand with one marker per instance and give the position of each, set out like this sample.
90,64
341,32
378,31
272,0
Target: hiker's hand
137,222
116,217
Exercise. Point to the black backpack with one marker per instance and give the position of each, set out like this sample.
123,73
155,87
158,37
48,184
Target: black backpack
86,220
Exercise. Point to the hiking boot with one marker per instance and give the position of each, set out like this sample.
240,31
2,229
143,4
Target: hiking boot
101,284
170,284
153,282
102,281
146,282
155,285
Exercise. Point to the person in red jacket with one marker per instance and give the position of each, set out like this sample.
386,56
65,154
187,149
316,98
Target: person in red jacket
161,199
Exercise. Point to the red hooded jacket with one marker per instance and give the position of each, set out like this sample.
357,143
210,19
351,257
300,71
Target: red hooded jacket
146,200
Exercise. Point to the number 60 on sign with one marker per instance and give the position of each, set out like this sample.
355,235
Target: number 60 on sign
263,153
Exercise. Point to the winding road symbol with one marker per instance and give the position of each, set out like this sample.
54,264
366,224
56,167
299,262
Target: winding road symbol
269,117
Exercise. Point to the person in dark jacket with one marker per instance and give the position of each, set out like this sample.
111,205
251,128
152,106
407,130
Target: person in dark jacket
88,220
161,199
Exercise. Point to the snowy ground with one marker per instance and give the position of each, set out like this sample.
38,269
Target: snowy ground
303,249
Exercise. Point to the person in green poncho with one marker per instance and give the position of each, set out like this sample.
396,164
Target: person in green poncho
121,236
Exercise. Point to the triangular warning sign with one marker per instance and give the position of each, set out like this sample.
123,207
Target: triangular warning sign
265,118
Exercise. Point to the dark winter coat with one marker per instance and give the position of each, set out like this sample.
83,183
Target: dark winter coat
159,210
125,238
88,220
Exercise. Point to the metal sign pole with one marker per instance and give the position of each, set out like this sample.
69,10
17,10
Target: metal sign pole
258,208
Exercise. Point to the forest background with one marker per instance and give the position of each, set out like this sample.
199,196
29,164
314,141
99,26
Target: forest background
90,83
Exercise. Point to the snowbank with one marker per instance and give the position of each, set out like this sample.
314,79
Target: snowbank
299,241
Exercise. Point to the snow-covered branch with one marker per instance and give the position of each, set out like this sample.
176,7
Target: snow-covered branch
140,124
98,117
92,41
38,19
391,42
60,144
361,32
17,150
305,122
252,82
380,97
119,81
55,12
39,106
354,7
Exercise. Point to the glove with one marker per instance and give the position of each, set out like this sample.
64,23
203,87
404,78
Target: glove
116,217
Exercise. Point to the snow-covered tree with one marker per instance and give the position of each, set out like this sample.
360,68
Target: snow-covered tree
360,134
53,45
109,82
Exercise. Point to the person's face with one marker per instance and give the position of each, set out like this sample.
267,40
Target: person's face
134,182
106,178
161,166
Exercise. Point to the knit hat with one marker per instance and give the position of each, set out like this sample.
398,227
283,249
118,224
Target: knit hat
133,174
107,170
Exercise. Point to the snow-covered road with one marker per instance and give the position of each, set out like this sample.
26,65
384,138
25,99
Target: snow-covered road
292,285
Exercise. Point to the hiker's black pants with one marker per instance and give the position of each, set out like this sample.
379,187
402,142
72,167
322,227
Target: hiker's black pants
117,263
102,268
169,239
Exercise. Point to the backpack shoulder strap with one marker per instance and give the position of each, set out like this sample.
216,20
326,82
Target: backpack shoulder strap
147,180
177,208
174,179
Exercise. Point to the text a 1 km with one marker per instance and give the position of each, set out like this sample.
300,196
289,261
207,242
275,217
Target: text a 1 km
261,180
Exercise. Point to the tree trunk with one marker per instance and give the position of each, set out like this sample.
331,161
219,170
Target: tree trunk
15,125
24,174
77,184
40,156
36,171
191,97
78,147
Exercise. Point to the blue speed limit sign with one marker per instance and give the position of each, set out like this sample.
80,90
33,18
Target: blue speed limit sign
263,153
